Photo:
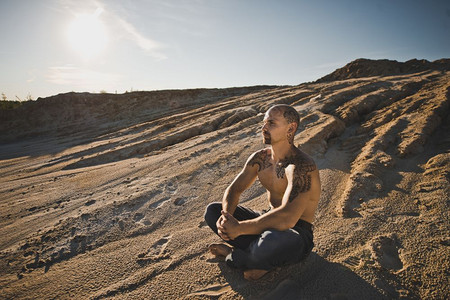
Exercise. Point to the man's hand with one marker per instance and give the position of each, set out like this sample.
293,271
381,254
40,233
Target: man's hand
228,226
219,225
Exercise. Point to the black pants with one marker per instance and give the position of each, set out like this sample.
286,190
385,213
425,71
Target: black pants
268,250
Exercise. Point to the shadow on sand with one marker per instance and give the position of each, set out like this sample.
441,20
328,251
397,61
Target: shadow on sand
315,278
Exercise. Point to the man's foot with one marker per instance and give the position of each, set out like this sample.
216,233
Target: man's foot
254,274
221,250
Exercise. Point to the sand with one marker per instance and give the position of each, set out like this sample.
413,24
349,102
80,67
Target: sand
102,196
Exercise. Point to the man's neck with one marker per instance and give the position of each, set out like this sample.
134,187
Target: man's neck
281,151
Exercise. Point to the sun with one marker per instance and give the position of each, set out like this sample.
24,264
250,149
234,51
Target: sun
87,35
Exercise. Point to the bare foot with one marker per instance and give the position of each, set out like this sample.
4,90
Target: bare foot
220,249
254,274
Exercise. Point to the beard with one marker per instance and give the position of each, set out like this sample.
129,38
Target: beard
267,139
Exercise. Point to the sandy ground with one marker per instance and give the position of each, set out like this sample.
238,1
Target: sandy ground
112,206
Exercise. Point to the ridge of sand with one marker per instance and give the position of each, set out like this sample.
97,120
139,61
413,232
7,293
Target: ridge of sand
107,201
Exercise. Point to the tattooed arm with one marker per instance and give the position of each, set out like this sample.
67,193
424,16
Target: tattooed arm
255,163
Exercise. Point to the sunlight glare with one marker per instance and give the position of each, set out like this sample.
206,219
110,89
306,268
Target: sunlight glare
87,35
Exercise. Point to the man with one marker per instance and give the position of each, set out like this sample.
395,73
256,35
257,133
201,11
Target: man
282,235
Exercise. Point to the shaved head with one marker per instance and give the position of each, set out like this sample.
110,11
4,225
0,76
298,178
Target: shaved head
289,113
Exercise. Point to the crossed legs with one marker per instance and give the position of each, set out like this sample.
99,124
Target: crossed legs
222,250
258,254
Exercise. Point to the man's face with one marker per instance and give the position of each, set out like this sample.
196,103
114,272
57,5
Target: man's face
275,127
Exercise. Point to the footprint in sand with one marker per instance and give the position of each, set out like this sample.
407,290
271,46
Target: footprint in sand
180,201
214,290
157,251
384,251
202,224
171,188
137,217
140,218
159,203
352,261
90,202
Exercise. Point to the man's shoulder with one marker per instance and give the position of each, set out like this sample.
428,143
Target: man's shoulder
261,158
264,151
303,161
303,156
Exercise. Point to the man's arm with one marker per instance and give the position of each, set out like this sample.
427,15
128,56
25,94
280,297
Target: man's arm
243,180
296,199
231,196
233,192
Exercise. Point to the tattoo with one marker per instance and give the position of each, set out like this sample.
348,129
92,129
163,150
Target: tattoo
290,138
262,159
302,177
282,165
280,170
290,116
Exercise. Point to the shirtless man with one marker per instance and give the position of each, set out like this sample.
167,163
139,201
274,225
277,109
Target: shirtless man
282,235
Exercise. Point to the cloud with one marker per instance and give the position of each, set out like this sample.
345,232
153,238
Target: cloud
150,46
114,16
79,78
126,30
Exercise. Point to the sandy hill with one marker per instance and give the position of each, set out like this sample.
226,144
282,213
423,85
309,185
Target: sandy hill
102,196
384,67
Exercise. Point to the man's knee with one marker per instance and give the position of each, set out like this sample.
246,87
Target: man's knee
273,236
268,244
274,243
212,213
278,248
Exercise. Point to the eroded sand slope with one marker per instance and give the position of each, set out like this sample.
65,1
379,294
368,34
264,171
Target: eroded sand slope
103,195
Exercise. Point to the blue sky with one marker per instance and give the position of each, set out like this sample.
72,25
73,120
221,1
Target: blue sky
57,46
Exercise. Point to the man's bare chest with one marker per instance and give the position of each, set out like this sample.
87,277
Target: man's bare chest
274,180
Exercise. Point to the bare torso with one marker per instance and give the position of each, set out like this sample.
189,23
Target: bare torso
271,177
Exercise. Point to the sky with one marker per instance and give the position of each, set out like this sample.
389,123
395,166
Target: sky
58,46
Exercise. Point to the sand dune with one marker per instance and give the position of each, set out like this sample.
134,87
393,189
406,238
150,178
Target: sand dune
102,196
